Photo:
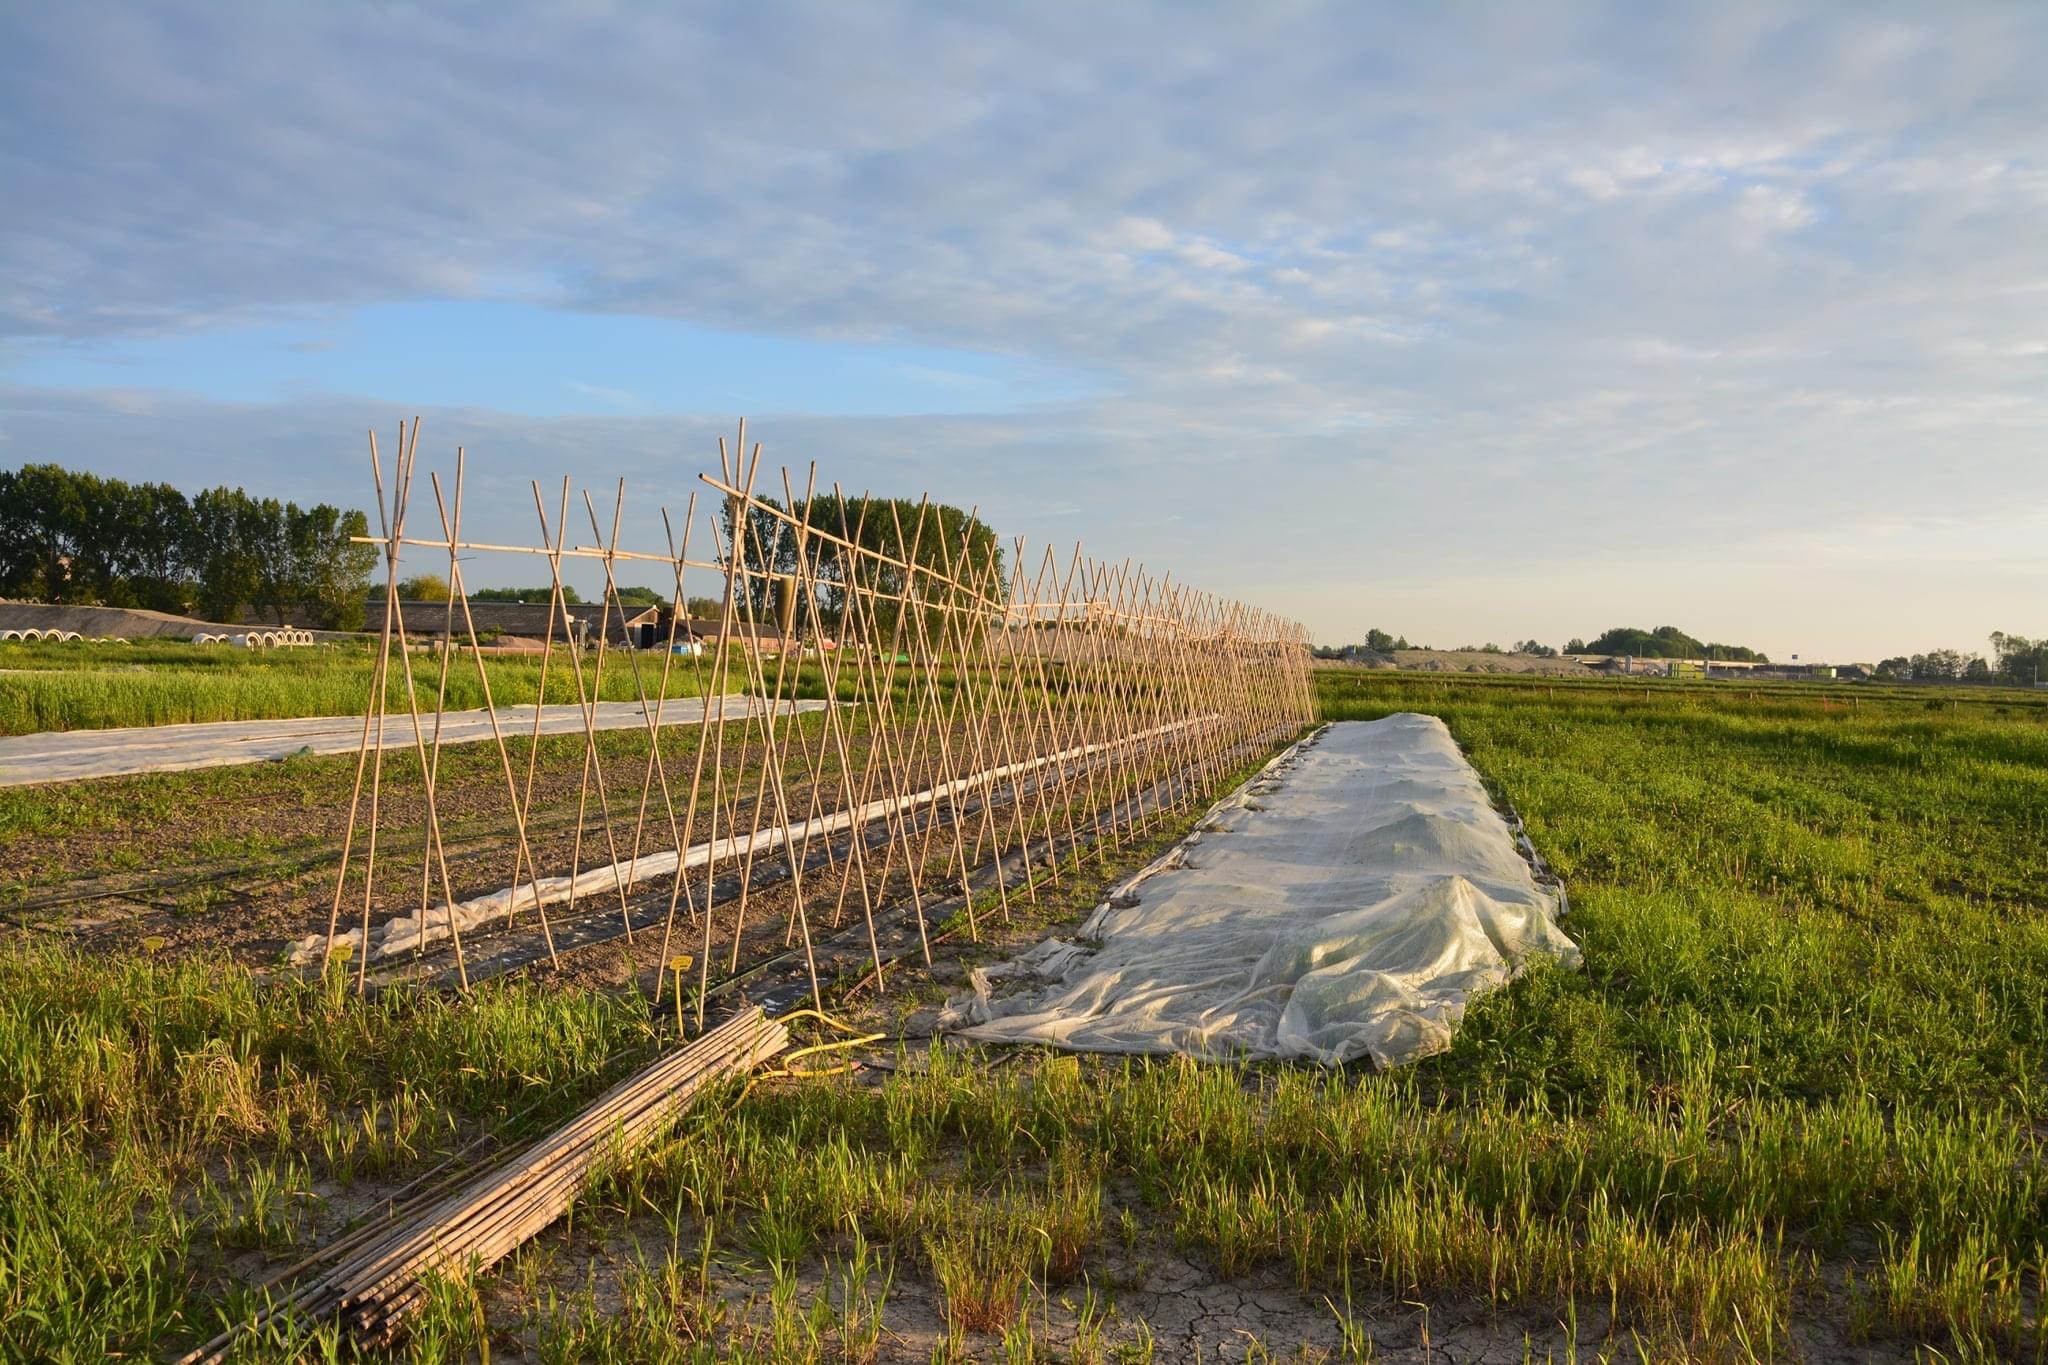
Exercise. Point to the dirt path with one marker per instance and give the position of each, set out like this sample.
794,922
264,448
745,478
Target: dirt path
71,755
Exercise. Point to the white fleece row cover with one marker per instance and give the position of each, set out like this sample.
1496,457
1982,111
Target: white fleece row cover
1344,904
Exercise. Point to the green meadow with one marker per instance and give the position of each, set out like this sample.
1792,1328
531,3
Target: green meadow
77,686
1794,1103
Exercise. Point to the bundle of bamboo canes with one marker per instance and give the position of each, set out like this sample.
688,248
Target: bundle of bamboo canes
384,1279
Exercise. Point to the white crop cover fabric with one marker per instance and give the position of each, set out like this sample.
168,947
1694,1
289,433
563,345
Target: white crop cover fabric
1344,904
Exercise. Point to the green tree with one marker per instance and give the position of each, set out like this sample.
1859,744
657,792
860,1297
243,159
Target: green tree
227,569
949,542
266,537
330,574
44,515
1666,642
1938,665
2020,660
536,595
426,587
155,546
1380,642
96,513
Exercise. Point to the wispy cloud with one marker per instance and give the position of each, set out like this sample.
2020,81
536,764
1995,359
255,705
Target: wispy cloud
607,395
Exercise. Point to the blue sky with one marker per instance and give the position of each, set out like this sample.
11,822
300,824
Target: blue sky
535,361
1471,322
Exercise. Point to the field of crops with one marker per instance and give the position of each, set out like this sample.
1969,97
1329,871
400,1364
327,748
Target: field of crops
1793,1106
94,687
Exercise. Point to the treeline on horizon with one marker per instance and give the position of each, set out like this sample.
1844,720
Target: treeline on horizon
78,538
82,539
1665,642
2016,659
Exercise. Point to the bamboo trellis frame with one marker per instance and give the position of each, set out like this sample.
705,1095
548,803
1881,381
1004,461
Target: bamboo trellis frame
976,721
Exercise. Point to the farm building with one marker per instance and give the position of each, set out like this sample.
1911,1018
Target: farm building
763,637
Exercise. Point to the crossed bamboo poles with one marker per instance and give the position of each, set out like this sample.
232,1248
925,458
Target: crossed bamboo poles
984,722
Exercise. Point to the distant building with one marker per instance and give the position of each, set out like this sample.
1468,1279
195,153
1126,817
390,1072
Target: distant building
764,638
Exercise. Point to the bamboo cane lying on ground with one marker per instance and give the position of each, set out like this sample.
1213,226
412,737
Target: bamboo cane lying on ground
383,1280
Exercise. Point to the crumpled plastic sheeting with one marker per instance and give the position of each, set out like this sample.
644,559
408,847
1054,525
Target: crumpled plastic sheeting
1344,904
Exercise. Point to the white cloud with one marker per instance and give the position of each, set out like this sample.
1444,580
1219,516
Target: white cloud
621,399
1209,256
1767,206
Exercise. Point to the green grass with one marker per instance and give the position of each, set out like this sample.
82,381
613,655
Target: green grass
1803,1076
75,686
1704,1229
83,687
1829,903
156,1119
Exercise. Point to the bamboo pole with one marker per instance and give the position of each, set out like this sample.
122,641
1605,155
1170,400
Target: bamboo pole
378,699
402,496
372,707
456,591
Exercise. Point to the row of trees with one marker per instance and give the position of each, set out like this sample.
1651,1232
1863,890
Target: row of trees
67,536
1665,642
2015,659
1376,640
73,537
